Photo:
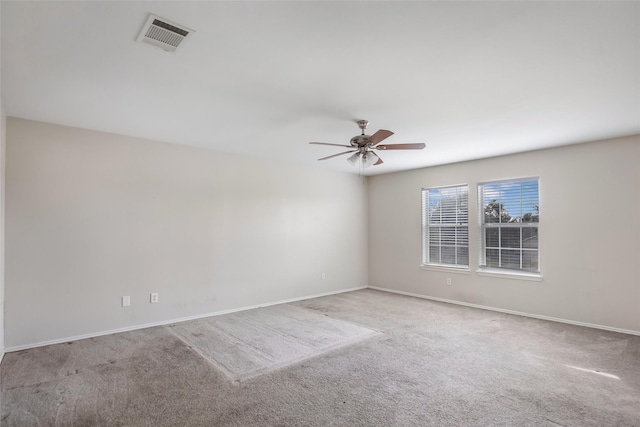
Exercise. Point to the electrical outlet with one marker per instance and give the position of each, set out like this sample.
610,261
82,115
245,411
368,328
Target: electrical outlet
449,281
154,297
324,276
126,301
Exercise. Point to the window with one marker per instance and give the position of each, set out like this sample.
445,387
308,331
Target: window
509,218
445,226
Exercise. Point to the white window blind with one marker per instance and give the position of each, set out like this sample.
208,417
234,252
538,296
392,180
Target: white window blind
445,226
509,220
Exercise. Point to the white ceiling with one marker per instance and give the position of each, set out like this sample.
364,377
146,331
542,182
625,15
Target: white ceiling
469,79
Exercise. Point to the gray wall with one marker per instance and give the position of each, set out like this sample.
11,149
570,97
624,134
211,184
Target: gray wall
3,145
92,216
3,127
589,234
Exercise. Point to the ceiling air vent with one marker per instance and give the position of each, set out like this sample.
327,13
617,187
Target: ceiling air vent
162,33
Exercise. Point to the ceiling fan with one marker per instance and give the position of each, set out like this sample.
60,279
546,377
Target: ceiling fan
363,145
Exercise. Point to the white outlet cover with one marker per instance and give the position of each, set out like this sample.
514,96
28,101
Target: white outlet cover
126,301
154,297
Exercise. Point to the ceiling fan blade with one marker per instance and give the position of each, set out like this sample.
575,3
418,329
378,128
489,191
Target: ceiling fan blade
335,145
339,154
379,136
417,146
379,162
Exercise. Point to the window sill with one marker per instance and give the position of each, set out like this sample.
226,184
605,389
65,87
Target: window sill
459,270
535,277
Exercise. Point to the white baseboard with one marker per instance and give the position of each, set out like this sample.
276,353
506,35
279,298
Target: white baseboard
172,321
501,310
218,313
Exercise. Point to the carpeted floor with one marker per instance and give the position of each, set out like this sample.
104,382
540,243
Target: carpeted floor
429,364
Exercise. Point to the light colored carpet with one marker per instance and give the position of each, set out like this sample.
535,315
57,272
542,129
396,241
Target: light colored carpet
434,364
249,343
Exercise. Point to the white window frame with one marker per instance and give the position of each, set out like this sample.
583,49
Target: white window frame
461,225
484,269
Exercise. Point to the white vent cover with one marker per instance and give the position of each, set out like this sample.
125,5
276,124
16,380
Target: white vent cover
163,33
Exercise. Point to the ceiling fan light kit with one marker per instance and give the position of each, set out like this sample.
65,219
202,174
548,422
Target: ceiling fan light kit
353,159
367,159
362,147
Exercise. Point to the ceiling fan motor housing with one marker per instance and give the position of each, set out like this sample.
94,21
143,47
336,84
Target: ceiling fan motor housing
360,140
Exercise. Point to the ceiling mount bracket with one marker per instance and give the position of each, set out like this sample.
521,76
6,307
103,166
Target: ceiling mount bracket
362,124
